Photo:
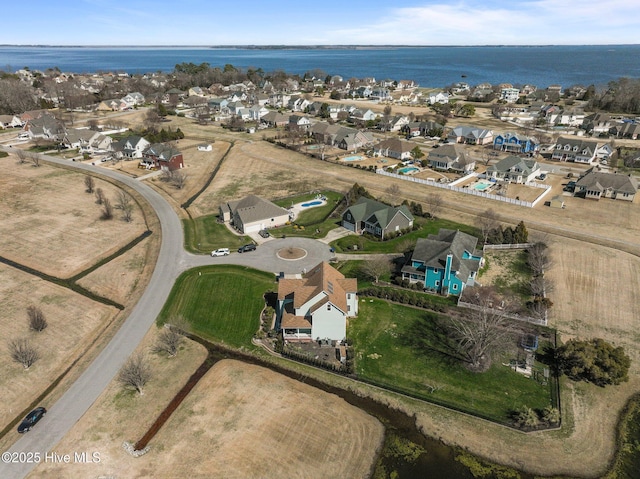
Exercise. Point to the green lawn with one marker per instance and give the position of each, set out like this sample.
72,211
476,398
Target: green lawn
221,303
405,349
399,244
312,216
204,234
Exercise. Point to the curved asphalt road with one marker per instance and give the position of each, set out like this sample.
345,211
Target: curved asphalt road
172,260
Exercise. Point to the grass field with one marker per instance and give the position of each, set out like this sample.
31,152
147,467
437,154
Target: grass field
204,234
400,243
221,303
404,348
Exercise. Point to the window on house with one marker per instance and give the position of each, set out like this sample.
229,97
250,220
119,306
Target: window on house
328,307
348,295
455,287
437,282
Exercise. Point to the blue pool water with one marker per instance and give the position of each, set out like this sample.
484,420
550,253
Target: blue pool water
481,186
352,158
408,169
311,203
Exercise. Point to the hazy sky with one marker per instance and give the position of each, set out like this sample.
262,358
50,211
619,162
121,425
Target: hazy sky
271,22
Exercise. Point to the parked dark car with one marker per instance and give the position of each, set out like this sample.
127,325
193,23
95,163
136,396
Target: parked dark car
264,233
247,247
31,419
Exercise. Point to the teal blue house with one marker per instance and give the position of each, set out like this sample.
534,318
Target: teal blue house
445,263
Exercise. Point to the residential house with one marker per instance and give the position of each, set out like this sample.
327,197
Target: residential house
597,123
509,95
10,121
275,119
579,150
380,94
394,124
470,135
298,103
195,91
394,148
86,140
626,129
252,214
133,99
370,216
46,127
597,184
316,306
514,143
115,104
422,128
444,263
219,105
514,169
257,111
234,107
440,97
130,147
451,157
163,157
363,115
406,84
299,122
352,140
205,147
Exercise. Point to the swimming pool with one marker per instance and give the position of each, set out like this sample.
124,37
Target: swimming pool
311,203
353,158
408,169
481,186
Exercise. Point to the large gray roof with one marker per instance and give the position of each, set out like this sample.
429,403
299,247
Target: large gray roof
434,249
253,208
602,181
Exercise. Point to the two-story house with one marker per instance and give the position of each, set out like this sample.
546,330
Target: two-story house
514,143
451,157
370,216
444,263
317,305
514,169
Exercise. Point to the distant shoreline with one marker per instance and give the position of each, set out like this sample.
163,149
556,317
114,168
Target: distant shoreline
313,47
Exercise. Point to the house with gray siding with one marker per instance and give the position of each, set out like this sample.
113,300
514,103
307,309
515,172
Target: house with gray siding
370,216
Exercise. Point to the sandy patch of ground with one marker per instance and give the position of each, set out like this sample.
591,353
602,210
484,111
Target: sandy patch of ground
120,415
73,322
240,421
51,224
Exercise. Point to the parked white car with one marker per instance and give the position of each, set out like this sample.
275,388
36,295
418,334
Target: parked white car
220,252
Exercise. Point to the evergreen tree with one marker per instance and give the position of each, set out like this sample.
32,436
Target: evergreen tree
521,235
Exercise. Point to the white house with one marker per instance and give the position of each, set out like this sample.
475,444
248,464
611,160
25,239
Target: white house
317,305
252,214
440,97
510,95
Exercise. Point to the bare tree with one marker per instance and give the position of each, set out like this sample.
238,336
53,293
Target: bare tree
487,221
394,192
485,328
135,373
22,156
107,209
152,120
377,267
99,196
538,259
37,321
23,352
169,341
178,179
35,159
434,202
124,202
89,183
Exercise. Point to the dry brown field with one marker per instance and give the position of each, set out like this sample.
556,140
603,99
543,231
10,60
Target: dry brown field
240,421
121,415
52,225
73,322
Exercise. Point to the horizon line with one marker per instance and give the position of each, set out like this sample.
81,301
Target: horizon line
306,46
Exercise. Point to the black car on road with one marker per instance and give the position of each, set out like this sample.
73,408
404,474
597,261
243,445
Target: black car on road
247,247
31,419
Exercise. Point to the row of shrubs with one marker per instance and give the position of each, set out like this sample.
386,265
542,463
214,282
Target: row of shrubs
403,296
346,368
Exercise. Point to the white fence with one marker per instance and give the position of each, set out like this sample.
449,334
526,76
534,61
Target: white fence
507,246
471,191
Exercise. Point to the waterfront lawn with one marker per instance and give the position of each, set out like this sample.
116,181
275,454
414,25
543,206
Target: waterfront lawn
221,303
400,243
205,234
402,348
